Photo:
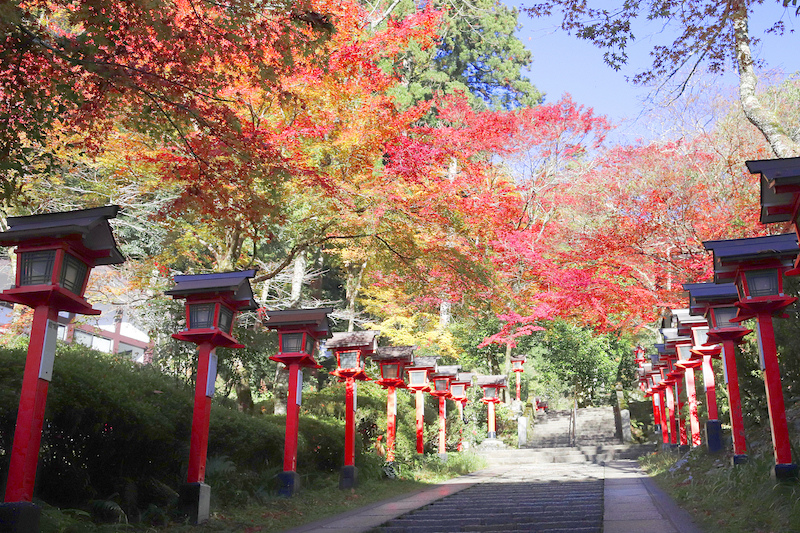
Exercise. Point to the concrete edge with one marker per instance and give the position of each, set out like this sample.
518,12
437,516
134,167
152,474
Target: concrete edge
451,486
680,518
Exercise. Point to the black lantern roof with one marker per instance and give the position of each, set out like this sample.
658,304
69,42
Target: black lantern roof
404,354
235,284
521,357
492,381
315,320
780,183
91,225
730,254
426,362
367,341
448,370
702,295
464,377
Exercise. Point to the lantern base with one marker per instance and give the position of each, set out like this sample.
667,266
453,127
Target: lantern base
19,517
194,501
442,457
714,436
784,472
739,459
683,448
289,483
657,430
491,435
348,477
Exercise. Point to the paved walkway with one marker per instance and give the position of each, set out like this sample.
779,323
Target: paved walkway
578,497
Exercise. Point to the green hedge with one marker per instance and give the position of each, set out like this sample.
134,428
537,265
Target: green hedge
115,428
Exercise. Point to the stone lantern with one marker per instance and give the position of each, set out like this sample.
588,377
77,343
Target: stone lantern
55,254
351,350
756,266
212,301
299,331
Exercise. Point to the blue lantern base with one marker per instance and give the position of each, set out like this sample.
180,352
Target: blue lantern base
714,436
348,477
784,472
289,483
194,501
19,517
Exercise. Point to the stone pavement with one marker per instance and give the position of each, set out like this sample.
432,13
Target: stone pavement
552,497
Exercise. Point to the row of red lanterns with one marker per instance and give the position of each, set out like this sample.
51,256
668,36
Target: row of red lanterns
748,283
56,253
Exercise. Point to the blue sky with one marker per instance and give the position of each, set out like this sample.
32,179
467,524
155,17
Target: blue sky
563,63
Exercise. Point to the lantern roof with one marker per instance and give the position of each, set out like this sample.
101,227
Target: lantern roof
521,357
316,320
780,187
492,381
730,255
465,378
448,370
91,225
704,295
403,354
236,284
366,341
426,362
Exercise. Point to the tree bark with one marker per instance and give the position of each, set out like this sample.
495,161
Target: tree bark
297,279
354,276
762,118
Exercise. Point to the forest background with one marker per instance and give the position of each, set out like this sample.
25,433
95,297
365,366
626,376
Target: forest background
390,158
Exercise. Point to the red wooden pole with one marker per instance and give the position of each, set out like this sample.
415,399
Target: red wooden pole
349,423
198,447
691,394
420,405
442,425
772,383
711,393
30,416
391,420
656,398
673,434
519,387
679,412
460,446
492,424
664,420
734,396
292,420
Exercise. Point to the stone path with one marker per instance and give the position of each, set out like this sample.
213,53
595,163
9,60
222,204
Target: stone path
584,497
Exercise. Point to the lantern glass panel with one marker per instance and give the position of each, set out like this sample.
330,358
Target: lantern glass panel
457,390
516,365
310,343
225,318
417,377
700,336
73,274
390,371
648,367
291,342
441,384
683,352
723,316
762,282
490,393
349,360
36,268
201,316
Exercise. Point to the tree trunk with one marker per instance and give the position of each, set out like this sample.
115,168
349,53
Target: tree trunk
445,314
763,119
244,394
352,289
297,279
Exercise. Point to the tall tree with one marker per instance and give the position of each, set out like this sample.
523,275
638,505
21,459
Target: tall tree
709,34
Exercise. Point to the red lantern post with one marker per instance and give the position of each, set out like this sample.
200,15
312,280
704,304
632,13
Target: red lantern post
491,386
212,301
517,362
442,379
351,349
418,382
55,255
458,391
299,331
757,265
393,360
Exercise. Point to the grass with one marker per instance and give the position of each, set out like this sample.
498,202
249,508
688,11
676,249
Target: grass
262,512
721,497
